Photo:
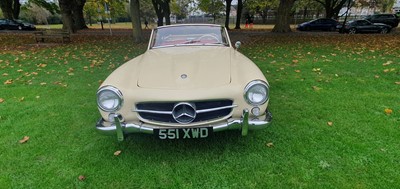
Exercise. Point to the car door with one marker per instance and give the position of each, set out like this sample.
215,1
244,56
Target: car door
365,26
13,24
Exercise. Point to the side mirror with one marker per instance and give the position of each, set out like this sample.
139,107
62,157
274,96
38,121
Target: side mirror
237,45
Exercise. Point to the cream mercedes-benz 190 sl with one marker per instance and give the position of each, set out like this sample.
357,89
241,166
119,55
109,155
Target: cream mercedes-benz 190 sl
189,83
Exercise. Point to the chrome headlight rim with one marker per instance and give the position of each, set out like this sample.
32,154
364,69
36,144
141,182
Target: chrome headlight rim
114,90
252,84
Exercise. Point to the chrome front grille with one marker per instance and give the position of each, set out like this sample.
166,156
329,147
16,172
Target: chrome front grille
184,112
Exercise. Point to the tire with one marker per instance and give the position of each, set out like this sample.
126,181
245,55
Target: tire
352,31
384,31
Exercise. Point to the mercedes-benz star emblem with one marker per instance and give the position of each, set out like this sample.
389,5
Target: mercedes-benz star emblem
183,76
184,112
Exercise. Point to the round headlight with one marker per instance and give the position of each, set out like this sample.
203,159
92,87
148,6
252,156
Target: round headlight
109,99
256,92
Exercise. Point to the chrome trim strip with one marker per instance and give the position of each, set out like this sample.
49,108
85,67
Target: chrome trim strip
197,111
215,109
153,111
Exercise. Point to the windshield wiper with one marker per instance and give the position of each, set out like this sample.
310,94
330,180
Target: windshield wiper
191,41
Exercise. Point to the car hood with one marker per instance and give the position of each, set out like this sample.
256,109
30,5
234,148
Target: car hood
185,67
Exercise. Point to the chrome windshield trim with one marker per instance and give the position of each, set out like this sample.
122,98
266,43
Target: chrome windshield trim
191,45
215,109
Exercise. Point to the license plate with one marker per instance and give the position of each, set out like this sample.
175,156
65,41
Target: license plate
183,133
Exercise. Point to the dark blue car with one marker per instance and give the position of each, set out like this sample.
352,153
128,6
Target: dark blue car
318,24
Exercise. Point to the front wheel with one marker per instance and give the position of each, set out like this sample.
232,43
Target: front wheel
352,31
384,31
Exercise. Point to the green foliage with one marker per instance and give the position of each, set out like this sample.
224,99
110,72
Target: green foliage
147,10
329,96
212,7
180,8
48,5
96,9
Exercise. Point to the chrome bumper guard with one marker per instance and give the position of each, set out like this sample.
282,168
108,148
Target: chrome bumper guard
244,124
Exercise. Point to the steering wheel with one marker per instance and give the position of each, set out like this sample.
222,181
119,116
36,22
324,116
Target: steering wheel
209,37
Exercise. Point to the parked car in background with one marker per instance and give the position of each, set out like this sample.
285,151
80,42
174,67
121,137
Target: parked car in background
189,83
15,25
389,19
364,26
318,24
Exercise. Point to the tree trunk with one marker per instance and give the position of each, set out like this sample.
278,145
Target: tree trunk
16,9
7,9
66,13
136,24
282,24
159,11
305,13
167,12
239,14
332,7
227,13
77,12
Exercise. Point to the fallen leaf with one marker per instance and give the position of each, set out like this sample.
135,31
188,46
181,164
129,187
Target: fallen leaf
377,76
117,153
25,139
43,83
20,70
297,71
21,99
397,82
388,111
37,97
42,65
81,177
330,123
2,100
9,81
316,88
386,70
270,145
295,61
126,58
387,63
5,74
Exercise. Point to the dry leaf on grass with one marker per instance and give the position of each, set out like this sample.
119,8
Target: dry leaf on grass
316,88
388,111
81,177
24,140
2,100
117,153
270,145
9,81
330,123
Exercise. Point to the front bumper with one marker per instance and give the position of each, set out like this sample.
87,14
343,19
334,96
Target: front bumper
244,124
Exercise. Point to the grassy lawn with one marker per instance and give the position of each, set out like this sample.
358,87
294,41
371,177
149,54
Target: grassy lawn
335,101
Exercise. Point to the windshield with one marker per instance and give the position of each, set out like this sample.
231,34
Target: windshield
189,35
